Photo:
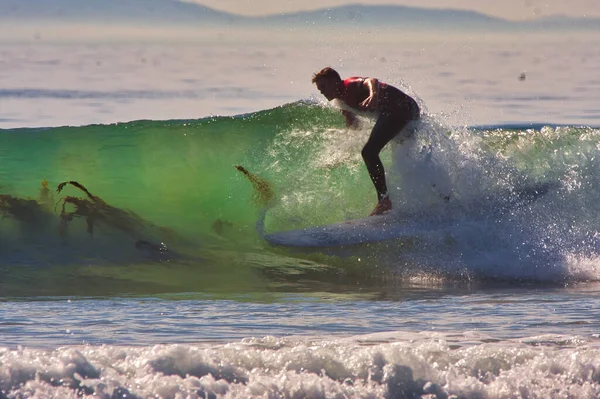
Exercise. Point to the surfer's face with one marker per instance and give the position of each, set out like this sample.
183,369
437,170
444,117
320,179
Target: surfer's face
328,87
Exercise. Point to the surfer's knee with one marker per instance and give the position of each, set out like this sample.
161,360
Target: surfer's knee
369,152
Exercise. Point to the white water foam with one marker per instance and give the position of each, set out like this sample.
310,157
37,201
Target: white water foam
388,365
504,219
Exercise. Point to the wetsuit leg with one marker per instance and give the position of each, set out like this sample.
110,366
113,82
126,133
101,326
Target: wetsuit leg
386,128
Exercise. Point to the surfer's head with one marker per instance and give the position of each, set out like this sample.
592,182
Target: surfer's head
328,82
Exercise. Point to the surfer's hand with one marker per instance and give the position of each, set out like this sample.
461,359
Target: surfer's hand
352,121
370,103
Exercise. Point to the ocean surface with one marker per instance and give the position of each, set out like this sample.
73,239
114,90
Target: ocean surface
140,182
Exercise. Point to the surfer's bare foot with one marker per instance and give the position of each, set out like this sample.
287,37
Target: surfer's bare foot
385,205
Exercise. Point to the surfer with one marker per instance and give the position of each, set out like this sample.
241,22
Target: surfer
392,108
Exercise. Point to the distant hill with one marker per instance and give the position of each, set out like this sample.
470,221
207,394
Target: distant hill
113,11
390,16
168,12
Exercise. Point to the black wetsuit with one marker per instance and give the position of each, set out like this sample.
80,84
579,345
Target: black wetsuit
396,109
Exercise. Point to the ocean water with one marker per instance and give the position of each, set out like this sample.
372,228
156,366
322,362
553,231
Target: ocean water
148,275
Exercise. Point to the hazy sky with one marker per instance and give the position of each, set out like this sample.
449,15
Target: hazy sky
509,9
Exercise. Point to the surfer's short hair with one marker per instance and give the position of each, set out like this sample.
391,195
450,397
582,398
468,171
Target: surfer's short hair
326,73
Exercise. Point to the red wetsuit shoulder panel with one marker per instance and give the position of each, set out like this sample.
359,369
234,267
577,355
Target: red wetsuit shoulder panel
352,79
355,91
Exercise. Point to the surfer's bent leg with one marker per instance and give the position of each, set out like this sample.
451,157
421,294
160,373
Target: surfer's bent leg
387,127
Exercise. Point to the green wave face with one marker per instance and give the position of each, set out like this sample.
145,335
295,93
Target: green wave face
172,213
178,177
178,174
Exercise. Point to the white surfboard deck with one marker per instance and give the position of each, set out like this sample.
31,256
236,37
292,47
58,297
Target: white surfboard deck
390,226
353,232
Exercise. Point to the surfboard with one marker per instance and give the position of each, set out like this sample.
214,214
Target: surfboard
391,226
353,232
